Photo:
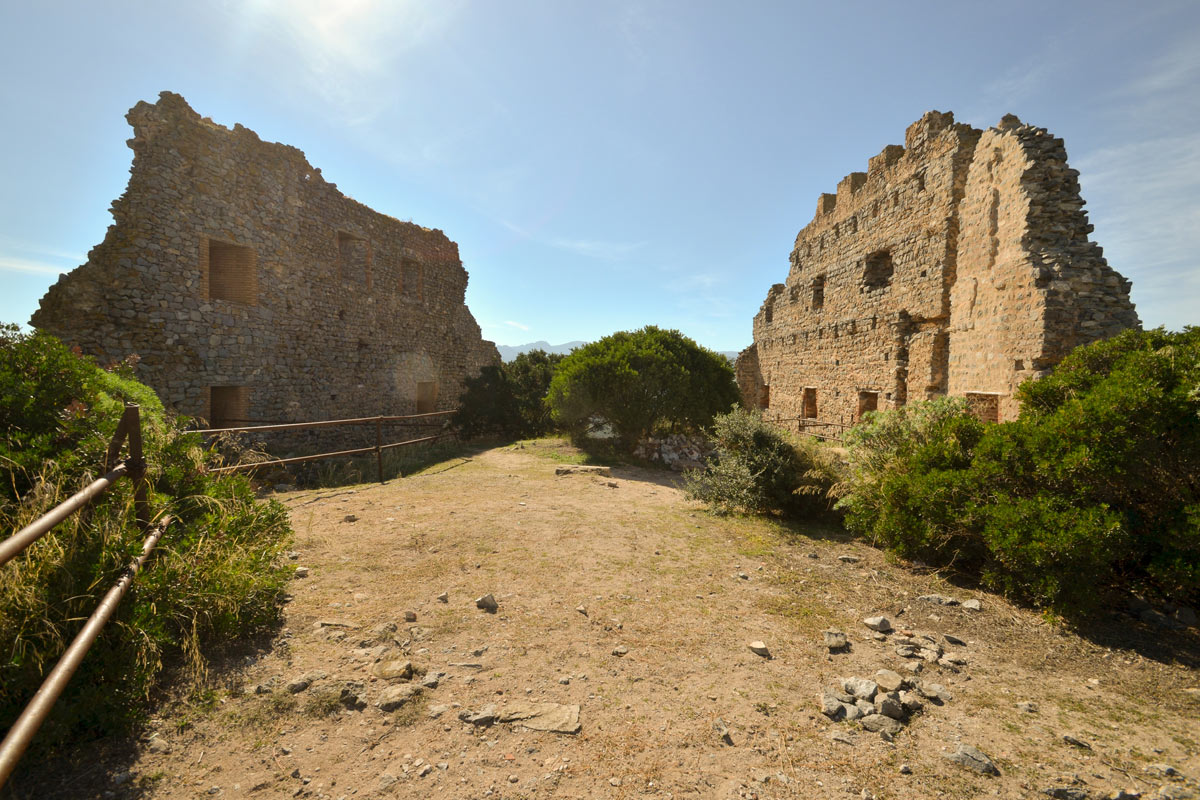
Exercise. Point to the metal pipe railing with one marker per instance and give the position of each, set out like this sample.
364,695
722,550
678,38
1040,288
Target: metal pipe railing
325,423
31,719
15,544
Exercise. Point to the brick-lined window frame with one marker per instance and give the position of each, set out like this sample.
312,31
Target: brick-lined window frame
230,271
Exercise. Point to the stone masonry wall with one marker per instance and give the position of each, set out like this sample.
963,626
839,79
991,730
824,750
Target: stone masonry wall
957,264
233,264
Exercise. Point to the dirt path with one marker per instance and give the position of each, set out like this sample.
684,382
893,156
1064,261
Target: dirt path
682,595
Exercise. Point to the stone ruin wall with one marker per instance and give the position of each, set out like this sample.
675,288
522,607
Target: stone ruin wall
250,287
935,272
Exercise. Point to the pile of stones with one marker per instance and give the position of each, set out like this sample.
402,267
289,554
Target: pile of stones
883,704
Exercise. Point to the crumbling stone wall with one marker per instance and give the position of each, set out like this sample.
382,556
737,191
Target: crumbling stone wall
249,286
957,264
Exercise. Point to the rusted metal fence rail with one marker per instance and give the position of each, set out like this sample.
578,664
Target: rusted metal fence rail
376,448
817,428
129,429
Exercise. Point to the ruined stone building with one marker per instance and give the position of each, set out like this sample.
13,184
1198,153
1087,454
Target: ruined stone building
252,289
958,264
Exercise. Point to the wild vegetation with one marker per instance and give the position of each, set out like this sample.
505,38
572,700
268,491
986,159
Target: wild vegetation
1095,486
216,575
757,468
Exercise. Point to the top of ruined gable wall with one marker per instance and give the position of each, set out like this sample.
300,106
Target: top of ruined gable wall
172,126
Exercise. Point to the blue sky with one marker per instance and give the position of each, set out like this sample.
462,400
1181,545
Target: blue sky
609,164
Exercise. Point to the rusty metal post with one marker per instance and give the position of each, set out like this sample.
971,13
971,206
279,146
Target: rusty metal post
31,719
379,448
137,467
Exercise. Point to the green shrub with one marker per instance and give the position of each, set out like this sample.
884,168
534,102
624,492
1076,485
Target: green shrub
1095,486
758,468
640,381
215,576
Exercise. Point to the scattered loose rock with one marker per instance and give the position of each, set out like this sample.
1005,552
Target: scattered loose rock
835,641
973,759
722,731
1066,793
881,624
1028,706
483,718
350,518
394,697
487,603
878,723
620,650
584,469
410,616
760,649
848,559
888,680
548,717
444,597
938,599
972,605
300,572
395,670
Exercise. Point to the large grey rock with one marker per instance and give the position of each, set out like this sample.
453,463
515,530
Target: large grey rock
881,624
861,687
878,723
889,707
888,680
487,603
832,707
972,605
835,640
973,759
393,697
548,717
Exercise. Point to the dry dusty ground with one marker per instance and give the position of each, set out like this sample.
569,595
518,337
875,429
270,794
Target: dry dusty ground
685,593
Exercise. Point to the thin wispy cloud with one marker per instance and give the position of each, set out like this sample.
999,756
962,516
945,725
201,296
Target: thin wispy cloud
516,325
31,267
589,248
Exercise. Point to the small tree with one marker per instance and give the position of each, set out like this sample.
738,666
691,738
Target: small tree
509,399
639,381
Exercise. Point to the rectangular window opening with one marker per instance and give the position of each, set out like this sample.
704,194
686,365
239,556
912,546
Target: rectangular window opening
228,406
818,293
764,397
232,272
877,270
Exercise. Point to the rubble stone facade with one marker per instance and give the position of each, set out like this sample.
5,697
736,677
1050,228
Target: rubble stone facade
252,289
957,264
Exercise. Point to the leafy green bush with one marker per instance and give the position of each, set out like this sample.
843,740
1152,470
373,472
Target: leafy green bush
758,468
1095,486
215,576
639,381
509,399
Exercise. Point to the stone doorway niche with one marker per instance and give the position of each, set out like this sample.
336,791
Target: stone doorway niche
764,397
867,401
228,406
426,396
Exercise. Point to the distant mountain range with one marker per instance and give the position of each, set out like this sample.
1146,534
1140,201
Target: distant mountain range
510,351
